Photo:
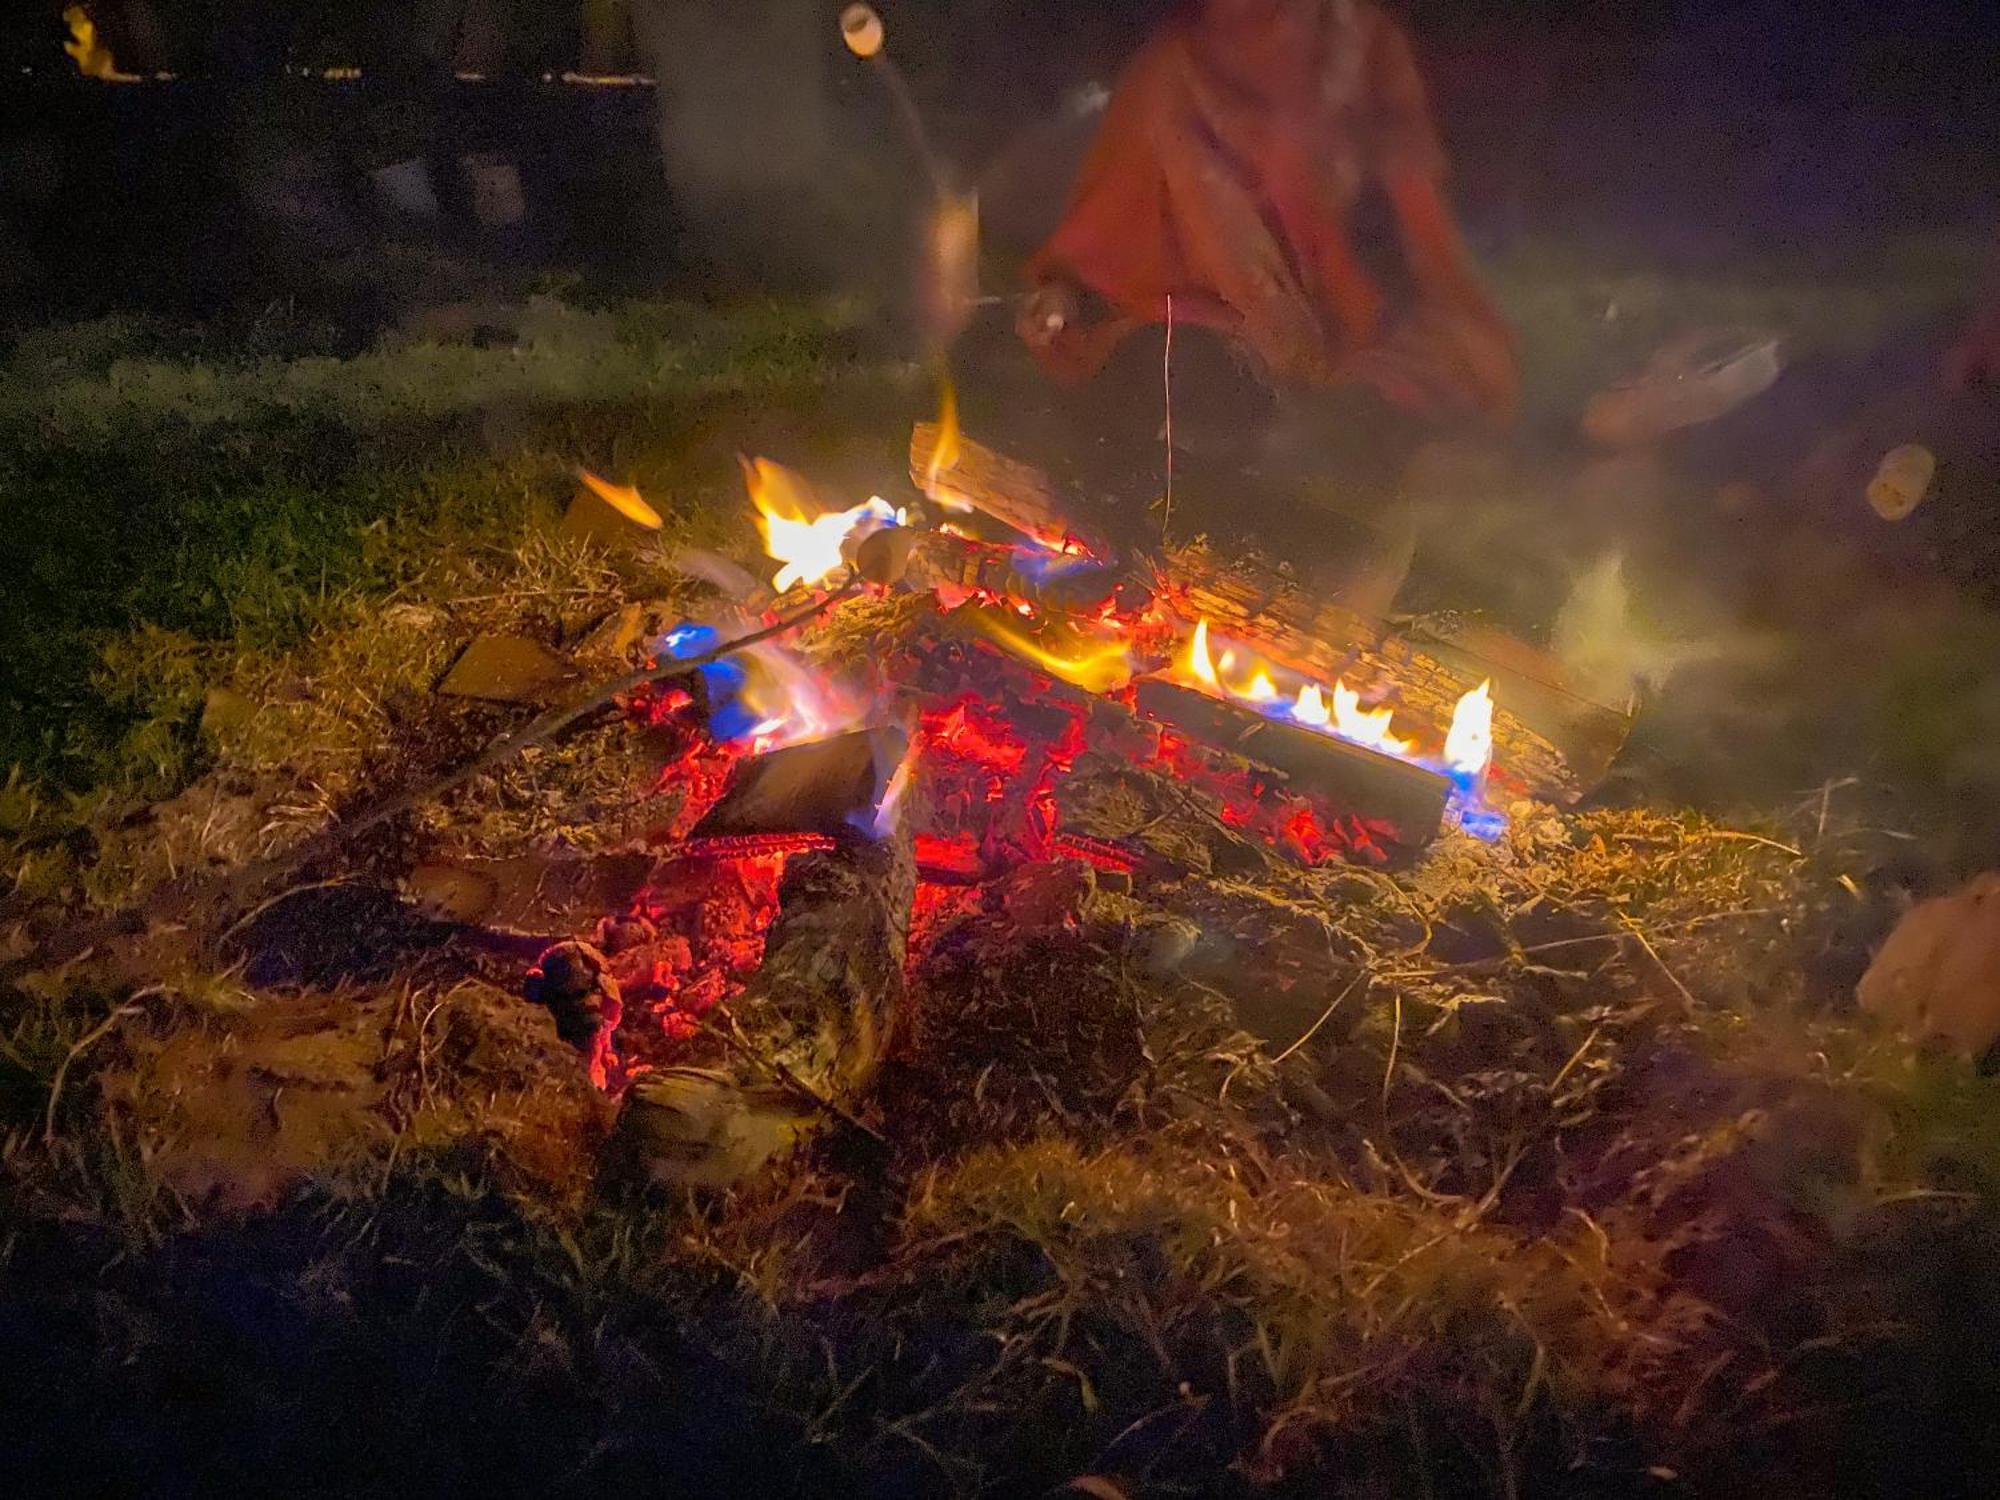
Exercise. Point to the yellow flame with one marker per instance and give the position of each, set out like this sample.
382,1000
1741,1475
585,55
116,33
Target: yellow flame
1260,688
623,498
1094,666
1311,708
1468,748
1200,665
946,449
1368,727
93,58
801,533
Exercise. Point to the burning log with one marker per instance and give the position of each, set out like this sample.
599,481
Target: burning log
1015,494
828,787
1554,743
1547,738
1379,789
805,1035
1076,586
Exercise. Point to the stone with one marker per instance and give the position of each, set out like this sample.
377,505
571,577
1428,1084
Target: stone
506,669
573,983
612,515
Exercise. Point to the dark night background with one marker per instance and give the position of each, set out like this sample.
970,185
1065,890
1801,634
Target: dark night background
1694,130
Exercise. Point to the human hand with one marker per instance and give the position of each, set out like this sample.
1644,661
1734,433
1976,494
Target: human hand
1046,312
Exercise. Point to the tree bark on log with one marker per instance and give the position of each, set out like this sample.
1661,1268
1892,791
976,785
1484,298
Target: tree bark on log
1392,794
1548,739
806,1035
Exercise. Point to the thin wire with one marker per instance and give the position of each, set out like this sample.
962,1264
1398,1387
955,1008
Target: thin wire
1167,384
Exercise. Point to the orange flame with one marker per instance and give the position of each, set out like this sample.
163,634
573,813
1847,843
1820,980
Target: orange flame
623,498
1200,665
799,531
945,451
93,58
1342,714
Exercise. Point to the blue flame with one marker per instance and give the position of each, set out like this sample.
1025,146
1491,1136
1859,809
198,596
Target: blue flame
1043,566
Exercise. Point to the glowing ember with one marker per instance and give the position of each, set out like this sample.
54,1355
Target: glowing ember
809,539
1468,748
623,498
1096,666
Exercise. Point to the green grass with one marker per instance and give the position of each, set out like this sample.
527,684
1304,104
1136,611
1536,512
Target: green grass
164,499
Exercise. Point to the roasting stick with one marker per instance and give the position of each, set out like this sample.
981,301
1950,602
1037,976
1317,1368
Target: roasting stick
245,884
861,28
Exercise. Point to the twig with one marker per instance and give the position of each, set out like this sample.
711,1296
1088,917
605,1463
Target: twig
1654,954
1167,386
286,894
734,1039
1395,1042
1352,984
241,885
1574,1058
129,1008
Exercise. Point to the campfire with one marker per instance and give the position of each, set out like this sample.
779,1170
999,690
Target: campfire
992,703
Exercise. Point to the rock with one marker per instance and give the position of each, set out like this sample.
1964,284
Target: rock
573,983
692,1127
1050,894
1937,978
506,669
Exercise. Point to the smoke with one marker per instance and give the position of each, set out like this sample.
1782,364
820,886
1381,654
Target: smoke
771,145
1611,652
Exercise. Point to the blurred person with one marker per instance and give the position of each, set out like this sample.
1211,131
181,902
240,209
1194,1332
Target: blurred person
748,136
1271,166
1974,359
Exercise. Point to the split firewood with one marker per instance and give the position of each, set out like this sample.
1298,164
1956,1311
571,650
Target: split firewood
1387,793
1016,494
1549,738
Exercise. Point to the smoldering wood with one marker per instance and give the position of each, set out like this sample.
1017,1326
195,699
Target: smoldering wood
1378,788
806,1035
828,787
1549,739
1079,588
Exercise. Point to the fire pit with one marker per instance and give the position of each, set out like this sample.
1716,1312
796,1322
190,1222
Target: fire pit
996,706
